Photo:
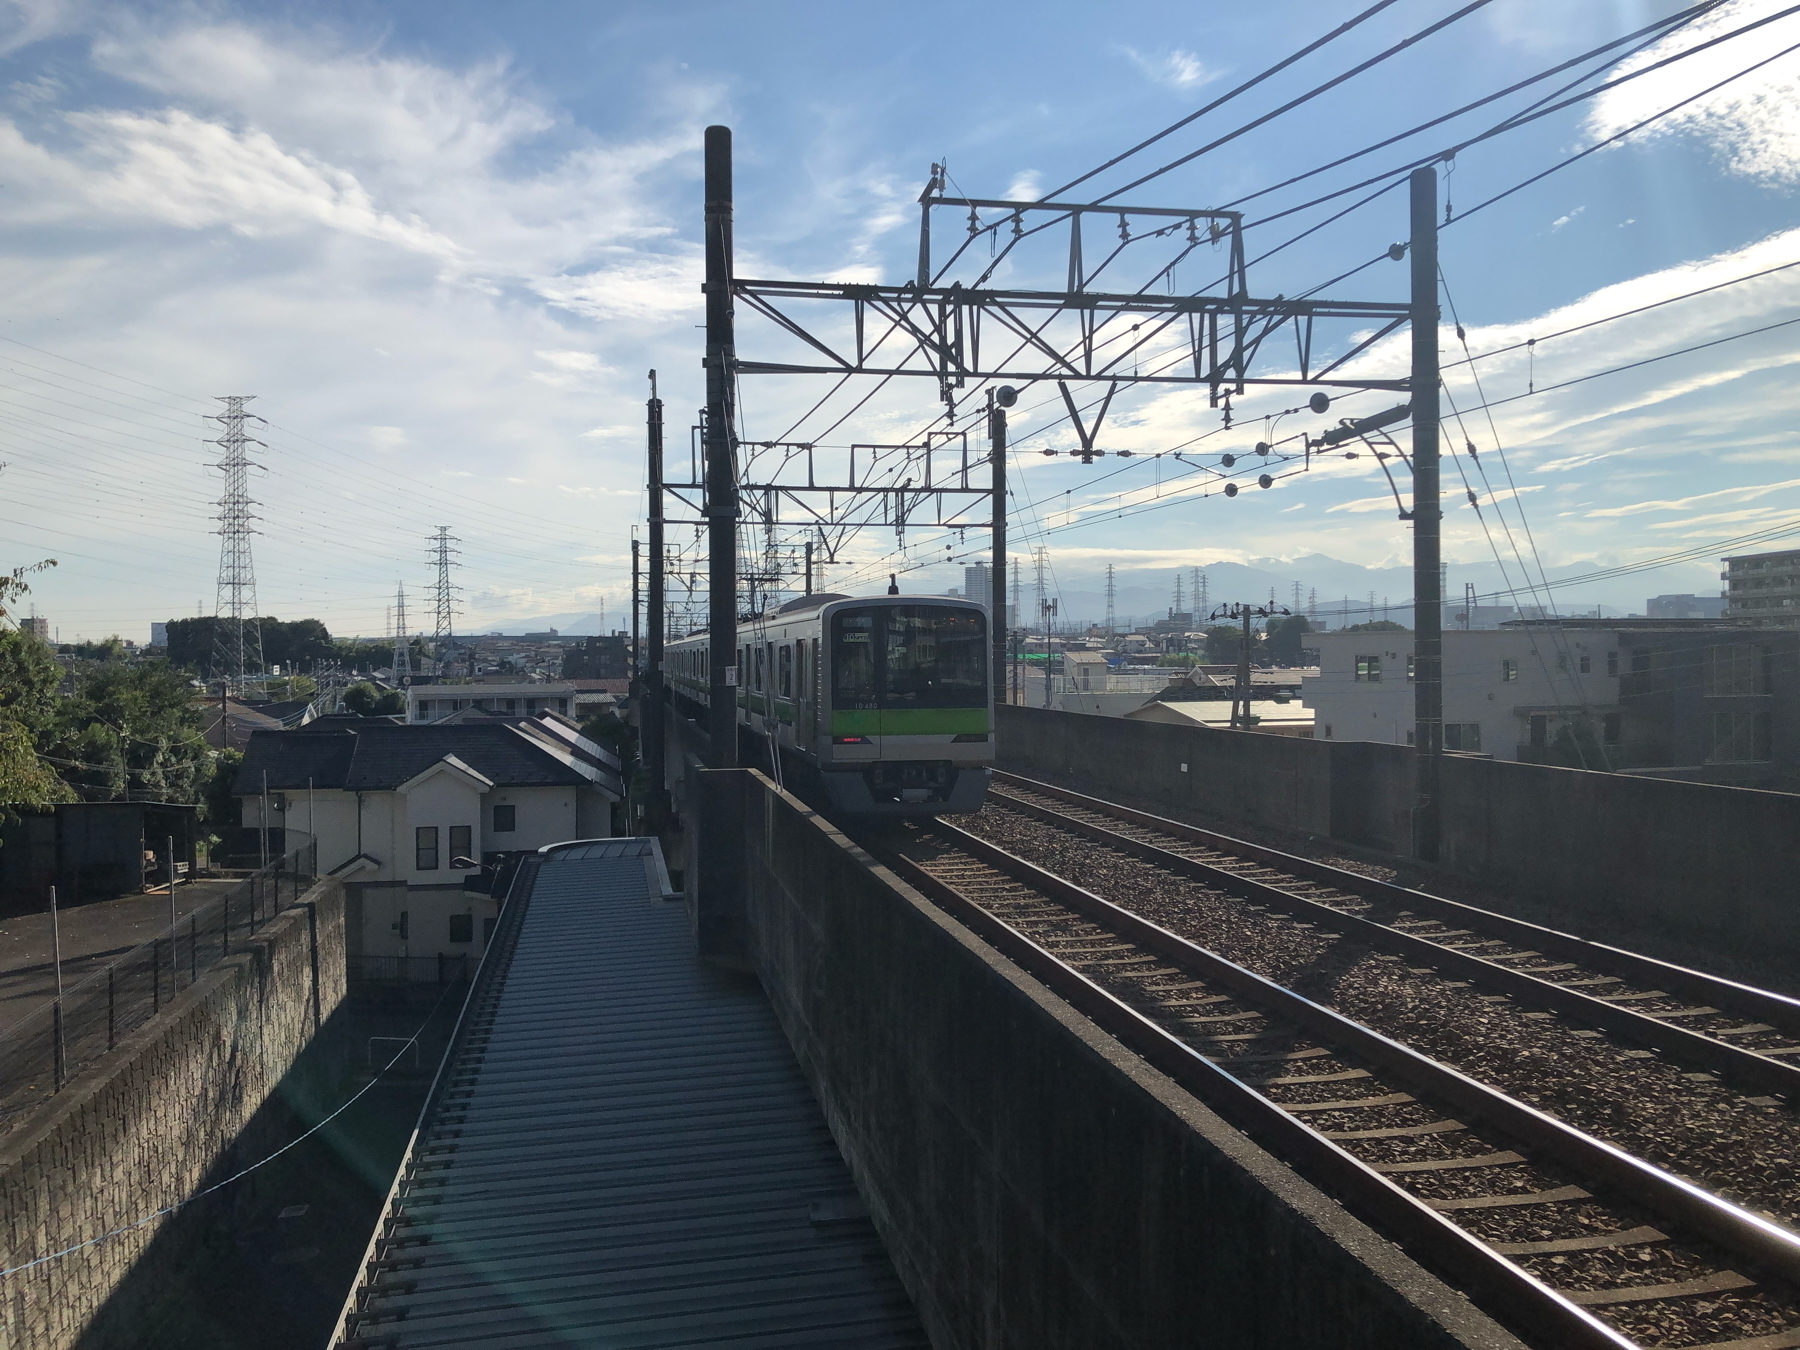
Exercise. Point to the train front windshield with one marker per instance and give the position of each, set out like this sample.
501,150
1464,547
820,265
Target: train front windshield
908,656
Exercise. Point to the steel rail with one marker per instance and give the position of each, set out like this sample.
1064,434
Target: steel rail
1511,1292
1689,1047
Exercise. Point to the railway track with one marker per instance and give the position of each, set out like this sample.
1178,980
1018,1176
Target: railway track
1572,1241
1750,1036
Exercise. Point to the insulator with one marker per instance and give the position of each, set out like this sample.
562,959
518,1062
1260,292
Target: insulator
1231,489
1264,481
1228,460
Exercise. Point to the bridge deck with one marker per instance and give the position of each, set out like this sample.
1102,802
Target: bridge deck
623,1152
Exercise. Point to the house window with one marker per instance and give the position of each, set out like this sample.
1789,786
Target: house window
786,672
1462,735
1409,737
462,928
1368,668
1409,667
1737,670
1509,670
1739,737
506,819
1540,730
1610,726
1612,663
1586,665
460,843
1328,731
425,848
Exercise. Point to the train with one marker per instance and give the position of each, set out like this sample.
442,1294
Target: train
883,703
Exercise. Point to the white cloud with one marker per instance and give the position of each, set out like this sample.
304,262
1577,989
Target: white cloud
1753,122
1733,494
1175,68
1563,220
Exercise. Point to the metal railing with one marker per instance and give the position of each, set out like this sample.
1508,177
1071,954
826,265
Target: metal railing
45,1050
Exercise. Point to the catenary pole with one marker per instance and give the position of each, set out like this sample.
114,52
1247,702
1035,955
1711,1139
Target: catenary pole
651,730
721,468
1428,609
997,570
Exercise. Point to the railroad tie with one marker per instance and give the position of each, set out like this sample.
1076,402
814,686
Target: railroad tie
1719,1283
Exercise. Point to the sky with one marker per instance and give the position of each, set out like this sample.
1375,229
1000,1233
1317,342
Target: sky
442,245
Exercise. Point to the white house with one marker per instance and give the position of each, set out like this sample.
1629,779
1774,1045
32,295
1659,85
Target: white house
1506,691
431,702
403,812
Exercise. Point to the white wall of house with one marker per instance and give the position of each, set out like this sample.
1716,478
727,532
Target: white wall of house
429,897
1494,682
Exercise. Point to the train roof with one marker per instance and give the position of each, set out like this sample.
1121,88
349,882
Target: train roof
819,600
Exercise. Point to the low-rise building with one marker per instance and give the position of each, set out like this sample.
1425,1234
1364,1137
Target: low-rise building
1763,588
522,698
1506,691
403,813
1711,701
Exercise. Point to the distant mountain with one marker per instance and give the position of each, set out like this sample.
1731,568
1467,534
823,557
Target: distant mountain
569,625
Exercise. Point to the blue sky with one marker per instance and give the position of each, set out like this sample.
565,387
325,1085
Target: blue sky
443,242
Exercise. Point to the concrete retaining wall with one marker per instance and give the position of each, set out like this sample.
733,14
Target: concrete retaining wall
1037,1185
140,1130
1690,862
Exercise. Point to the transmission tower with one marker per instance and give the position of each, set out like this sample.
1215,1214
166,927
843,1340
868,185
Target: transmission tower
237,642
1111,622
1177,608
443,596
402,650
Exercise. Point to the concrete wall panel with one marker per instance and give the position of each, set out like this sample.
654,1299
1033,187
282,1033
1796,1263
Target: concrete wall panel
1037,1185
138,1132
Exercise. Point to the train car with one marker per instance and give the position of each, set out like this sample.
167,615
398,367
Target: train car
886,703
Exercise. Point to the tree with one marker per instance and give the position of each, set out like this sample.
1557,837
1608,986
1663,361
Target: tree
1378,626
1285,638
131,728
298,645
1184,659
613,732
365,700
1223,643
112,649
29,676
13,584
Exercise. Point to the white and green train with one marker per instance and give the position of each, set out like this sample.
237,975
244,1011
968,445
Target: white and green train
888,700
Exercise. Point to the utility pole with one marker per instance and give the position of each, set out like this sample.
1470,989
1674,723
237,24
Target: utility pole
1428,608
1241,690
808,582
721,466
1002,399
650,720
237,639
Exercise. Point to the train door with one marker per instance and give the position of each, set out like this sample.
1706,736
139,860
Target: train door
805,726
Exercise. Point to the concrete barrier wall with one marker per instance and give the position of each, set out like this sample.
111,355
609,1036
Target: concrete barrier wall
138,1131
1692,863
1707,865
1037,1186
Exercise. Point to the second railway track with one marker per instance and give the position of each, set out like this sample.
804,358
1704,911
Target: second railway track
1568,1236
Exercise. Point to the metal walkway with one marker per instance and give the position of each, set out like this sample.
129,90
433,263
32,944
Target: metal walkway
621,1152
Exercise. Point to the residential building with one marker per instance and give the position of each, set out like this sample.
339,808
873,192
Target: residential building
400,811
38,626
1706,700
1507,691
1685,607
1763,588
429,702
159,634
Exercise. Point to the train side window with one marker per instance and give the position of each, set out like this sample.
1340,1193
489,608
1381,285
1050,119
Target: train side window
759,669
786,670
800,667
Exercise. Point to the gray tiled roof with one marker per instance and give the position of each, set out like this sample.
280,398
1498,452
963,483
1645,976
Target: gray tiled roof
383,756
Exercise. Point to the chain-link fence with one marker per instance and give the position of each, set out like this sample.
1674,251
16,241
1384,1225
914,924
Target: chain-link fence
43,1051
